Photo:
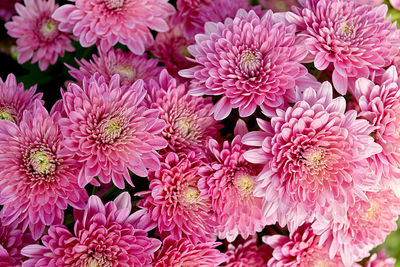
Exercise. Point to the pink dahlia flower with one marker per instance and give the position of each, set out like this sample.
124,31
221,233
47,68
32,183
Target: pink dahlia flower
12,240
37,181
183,253
129,66
103,236
113,21
108,130
37,34
248,254
14,100
229,180
315,159
367,224
7,9
174,202
300,249
278,5
249,61
380,259
187,118
380,105
353,39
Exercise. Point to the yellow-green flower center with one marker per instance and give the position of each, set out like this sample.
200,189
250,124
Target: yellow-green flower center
5,114
190,196
114,4
315,160
93,262
49,29
42,163
113,128
125,72
186,126
372,212
244,184
250,61
346,29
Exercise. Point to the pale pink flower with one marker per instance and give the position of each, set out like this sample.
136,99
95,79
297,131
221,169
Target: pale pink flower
37,181
315,159
7,9
113,21
174,202
367,224
370,2
249,61
37,34
380,259
104,235
352,39
109,130
187,118
183,253
300,249
14,100
278,5
129,66
229,180
248,254
395,4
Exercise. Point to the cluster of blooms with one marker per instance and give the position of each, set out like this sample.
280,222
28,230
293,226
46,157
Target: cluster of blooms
264,135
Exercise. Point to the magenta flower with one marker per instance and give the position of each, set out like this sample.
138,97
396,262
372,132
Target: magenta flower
380,259
104,235
248,254
108,130
129,66
300,249
174,202
229,180
249,61
187,118
353,39
315,159
7,9
12,240
183,253
37,34
367,224
37,182
113,21
14,100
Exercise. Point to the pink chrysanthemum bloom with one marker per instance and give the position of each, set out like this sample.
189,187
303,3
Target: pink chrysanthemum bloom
37,182
353,39
14,100
12,240
129,66
108,130
37,34
395,4
380,259
370,2
174,203
248,254
380,105
183,253
315,159
7,9
104,235
367,224
187,118
229,180
300,249
278,5
249,61
113,21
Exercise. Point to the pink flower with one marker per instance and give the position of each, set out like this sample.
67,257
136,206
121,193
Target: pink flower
104,235
129,66
7,9
300,249
183,253
380,105
395,4
248,253
229,180
367,224
187,118
370,2
37,182
37,34
108,130
249,61
353,39
380,259
278,5
12,240
315,159
174,202
113,21
14,100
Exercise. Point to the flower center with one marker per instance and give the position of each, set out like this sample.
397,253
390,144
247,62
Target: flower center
250,62
112,129
244,184
49,29
114,4
372,211
5,114
93,262
315,160
190,196
125,72
42,162
186,126
346,30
